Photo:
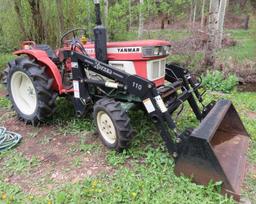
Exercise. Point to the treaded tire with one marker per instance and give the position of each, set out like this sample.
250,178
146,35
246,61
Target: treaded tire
42,83
6,71
120,120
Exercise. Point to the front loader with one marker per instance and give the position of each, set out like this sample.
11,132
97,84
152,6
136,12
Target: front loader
109,78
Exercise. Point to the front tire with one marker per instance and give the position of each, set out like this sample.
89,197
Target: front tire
30,91
113,124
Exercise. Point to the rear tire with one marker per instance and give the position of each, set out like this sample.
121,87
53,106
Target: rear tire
5,73
30,90
113,124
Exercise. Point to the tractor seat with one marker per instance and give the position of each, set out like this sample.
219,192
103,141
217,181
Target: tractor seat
49,51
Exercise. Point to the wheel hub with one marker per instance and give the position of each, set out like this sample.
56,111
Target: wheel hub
30,91
23,92
106,127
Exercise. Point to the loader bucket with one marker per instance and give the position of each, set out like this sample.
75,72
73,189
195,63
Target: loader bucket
216,150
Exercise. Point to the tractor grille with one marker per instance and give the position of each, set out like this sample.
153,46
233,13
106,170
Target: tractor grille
156,69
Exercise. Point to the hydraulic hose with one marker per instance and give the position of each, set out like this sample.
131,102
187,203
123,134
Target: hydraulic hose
8,139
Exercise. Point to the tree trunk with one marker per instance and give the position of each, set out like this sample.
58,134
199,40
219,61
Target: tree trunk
202,15
37,20
194,14
246,22
17,7
253,4
243,3
88,14
106,13
213,30
221,18
130,14
141,20
59,4
191,14
163,22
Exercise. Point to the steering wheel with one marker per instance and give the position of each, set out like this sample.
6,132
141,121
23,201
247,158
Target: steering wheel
75,41
74,34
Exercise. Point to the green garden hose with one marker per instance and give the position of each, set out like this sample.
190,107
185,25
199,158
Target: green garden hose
8,139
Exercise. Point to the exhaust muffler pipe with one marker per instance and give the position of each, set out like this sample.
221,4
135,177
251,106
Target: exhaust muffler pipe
100,35
216,150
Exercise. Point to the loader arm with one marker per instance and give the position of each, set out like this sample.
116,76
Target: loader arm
134,85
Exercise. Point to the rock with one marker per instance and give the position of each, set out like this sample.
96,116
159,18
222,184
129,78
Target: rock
89,172
245,200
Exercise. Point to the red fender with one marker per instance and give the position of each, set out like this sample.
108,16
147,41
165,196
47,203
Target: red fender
42,57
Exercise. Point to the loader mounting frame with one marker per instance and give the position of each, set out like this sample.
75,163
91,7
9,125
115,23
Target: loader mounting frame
139,87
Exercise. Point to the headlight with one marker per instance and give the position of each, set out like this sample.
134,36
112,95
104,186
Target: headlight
167,49
155,51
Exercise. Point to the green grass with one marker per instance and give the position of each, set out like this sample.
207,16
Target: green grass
16,163
152,182
143,174
116,159
4,59
67,121
85,147
4,102
245,48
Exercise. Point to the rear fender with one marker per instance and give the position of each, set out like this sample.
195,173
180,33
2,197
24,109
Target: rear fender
52,69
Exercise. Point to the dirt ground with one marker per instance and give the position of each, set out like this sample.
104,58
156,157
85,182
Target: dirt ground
58,155
59,159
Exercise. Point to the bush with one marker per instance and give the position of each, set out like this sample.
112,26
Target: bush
216,81
4,59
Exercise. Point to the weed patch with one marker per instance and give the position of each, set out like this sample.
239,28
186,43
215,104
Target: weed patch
216,81
14,162
67,121
4,103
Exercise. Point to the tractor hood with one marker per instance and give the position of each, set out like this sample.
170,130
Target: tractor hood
139,43
134,50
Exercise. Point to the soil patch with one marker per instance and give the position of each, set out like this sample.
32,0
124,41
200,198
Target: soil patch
60,160
251,115
247,87
2,93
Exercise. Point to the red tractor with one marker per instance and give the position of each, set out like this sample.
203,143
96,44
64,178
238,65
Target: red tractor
112,77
